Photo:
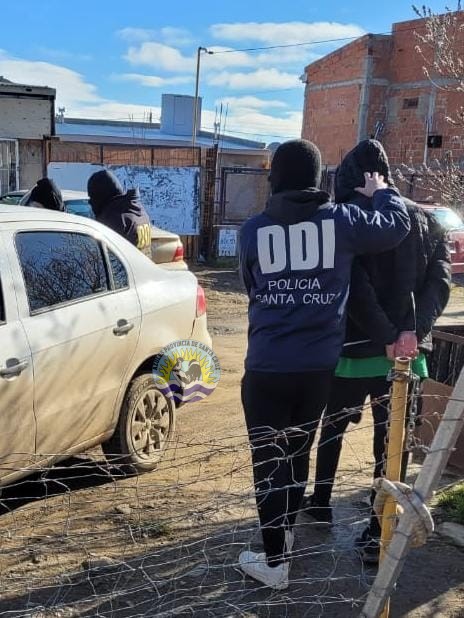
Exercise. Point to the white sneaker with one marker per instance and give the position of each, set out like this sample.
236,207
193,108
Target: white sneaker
254,564
289,541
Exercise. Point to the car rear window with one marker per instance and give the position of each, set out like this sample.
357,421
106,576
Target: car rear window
60,267
120,278
448,219
79,207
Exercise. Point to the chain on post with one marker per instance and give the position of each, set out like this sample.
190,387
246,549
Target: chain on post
412,412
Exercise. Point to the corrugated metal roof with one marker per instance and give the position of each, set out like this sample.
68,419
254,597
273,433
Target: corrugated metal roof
144,133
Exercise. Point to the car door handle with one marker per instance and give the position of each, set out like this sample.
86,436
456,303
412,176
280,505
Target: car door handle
122,328
14,369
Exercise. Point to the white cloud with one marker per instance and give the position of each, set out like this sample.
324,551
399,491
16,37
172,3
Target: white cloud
274,33
168,58
135,35
176,36
246,114
250,102
114,110
260,79
169,35
80,98
153,81
70,85
255,124
160,56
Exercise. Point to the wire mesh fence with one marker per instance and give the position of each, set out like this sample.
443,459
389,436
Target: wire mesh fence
82,539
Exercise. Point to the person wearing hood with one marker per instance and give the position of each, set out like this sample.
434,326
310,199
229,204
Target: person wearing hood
395,299
295,262
46,194
122,212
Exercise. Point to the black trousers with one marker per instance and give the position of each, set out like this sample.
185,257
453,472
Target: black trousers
350,393
282,412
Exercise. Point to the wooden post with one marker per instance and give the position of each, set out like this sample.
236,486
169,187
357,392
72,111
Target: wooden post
394,453
447,433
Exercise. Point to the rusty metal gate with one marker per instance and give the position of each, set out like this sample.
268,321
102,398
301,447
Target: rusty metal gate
244,192
9,165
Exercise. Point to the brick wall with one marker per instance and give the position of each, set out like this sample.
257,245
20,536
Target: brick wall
334,120
77,152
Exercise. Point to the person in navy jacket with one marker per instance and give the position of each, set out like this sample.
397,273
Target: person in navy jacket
295,262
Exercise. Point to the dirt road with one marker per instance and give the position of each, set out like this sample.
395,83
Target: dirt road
166,543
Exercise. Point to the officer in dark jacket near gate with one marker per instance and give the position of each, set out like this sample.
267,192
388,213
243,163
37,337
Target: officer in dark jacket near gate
122,212
395,299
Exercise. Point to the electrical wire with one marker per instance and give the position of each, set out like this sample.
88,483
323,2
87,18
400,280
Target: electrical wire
306,43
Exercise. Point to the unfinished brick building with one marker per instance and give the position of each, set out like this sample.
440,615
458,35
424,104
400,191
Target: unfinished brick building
376,87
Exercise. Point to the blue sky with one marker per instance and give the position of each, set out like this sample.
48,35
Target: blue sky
115,59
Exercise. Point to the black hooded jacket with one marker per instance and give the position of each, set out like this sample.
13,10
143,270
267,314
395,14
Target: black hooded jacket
122,212
47,194
405,289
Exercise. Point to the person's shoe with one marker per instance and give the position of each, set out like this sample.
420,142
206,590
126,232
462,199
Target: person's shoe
321,514
254,564
369,548
289,541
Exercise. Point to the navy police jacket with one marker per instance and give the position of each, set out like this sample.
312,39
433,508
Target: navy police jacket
295,262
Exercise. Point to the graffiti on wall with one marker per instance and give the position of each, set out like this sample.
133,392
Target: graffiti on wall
171,195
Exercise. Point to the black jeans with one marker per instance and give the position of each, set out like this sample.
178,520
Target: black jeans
350,393
282,412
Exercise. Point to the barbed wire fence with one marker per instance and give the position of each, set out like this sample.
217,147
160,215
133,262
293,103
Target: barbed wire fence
80,539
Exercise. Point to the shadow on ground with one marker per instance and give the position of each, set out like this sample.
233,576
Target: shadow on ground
72,474
194,573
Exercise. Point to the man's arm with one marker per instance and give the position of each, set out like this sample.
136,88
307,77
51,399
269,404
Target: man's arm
365,310
384,227
434,295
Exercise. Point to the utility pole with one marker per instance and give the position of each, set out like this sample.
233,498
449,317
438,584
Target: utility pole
197,87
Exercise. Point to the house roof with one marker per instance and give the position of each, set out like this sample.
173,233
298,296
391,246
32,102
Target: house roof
145,133
11,88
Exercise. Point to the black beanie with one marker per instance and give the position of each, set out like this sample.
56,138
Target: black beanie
47,193
296,165
102,187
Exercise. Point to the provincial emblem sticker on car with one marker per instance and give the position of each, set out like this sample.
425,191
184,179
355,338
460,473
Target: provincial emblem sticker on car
186,371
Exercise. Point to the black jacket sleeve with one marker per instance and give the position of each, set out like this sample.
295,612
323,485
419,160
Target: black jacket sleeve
365,310
433,297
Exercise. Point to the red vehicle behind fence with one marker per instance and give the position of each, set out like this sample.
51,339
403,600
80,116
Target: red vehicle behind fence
454,225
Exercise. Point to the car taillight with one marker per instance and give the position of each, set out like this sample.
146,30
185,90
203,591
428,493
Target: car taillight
178,254
201,302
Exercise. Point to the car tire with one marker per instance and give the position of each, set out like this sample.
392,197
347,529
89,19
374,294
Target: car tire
145,425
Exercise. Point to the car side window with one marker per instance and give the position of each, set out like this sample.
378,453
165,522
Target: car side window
60,267
120,278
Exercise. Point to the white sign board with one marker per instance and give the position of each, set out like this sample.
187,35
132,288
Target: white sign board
171,195
227,243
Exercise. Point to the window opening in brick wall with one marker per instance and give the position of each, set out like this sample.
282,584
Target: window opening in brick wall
434,141
411,103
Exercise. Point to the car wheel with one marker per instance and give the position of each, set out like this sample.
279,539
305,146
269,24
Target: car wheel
146,423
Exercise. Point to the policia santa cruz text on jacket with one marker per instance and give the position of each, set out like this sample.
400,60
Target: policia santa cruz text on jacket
295,261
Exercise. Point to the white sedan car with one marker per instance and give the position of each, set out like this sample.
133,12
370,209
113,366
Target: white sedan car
82,315
167,247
